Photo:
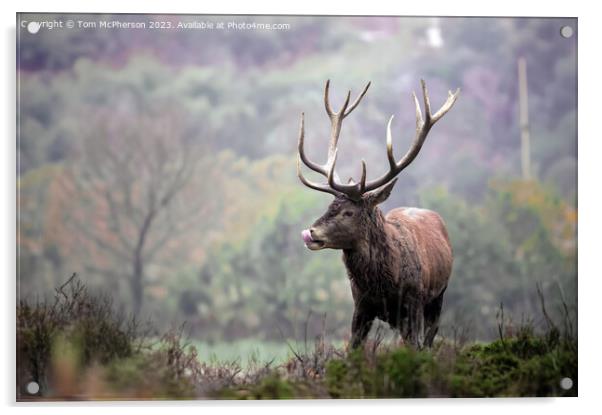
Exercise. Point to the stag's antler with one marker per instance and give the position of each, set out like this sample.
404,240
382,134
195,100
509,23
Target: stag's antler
336,121
356,190
422,129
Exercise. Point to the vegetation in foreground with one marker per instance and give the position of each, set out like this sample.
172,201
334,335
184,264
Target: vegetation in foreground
77,347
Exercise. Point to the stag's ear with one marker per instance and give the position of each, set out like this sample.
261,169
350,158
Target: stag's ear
381,194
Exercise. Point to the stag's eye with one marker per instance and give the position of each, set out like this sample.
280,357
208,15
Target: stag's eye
348,213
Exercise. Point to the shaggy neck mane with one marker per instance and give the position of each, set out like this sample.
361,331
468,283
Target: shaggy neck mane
366,263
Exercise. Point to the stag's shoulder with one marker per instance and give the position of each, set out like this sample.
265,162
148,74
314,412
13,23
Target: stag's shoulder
412,214
410,217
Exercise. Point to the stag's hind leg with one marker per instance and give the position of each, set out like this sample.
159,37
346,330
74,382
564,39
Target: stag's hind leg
432,312
415,329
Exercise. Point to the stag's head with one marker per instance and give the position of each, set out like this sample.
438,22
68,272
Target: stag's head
354,209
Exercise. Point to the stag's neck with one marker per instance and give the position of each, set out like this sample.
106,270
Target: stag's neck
367,262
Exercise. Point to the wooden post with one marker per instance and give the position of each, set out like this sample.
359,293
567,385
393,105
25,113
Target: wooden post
523,106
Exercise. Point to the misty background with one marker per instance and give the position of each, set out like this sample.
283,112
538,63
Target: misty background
160,165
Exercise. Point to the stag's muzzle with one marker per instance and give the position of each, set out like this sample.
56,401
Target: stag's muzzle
310,242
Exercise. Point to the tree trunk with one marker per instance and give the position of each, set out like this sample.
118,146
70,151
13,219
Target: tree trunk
136,285
137,282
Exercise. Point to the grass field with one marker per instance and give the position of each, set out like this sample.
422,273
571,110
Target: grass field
243,351
78,348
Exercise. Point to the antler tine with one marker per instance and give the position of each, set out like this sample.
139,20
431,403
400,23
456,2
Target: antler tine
335,129
341,112
346,109
390,156
363,178
336,120
316,186
327,99
419,120
427,103
331,182
423,126
449,103
301,148
357,100
353,190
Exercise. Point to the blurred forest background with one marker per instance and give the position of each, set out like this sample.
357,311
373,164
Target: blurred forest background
160,165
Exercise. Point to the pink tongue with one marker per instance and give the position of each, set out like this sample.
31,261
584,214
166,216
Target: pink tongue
306,235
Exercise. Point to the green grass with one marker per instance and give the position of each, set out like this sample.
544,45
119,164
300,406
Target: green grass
244,352
525,365
247,352
77,347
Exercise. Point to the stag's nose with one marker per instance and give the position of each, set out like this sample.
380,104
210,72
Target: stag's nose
306,235
314,233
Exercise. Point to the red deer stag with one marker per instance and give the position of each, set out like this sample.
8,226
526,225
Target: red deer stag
399,264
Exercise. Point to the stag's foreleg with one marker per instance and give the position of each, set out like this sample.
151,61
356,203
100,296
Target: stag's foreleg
415,329
360,326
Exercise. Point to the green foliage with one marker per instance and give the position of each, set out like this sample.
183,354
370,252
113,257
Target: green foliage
77,345
522,362
401,373
520,235
169,371
525,365
144,376
75,317
269,282
343,377
270,387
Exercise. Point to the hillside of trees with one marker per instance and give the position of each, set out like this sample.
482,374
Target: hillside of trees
160,166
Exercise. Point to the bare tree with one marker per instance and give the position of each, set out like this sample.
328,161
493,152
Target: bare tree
135,194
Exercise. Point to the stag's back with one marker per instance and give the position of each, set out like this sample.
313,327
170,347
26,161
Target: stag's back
430,242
